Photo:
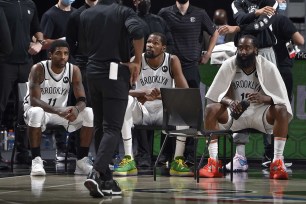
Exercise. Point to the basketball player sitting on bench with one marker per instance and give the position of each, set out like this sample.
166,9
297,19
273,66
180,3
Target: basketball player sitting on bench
46,104
158,70
250,77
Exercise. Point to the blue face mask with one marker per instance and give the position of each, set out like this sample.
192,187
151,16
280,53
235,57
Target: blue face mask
282,6
67,2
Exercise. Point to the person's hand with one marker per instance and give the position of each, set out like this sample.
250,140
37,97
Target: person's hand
235,106
204,58
134,68
257,98
34,48
225,29
267,10
72,113
155,93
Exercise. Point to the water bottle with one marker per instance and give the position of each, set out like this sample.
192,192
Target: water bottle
90,156
1,137
116,161
10,139
4,139
46,142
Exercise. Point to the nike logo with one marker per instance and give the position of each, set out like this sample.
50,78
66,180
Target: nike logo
243,162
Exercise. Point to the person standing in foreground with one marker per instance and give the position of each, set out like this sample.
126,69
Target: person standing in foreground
269,108
187,23
46,103
107,29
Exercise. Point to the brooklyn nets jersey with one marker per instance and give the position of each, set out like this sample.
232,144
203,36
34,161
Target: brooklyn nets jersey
55,87
160,77
245,83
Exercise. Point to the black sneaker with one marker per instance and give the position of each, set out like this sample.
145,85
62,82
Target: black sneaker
266,161
111,187
93,184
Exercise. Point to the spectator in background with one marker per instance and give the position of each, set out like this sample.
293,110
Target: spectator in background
107,29
286,34
53,24
5,50
145,138
16,66
76,44
187,23
5,40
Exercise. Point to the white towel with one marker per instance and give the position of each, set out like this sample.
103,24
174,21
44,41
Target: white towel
269,78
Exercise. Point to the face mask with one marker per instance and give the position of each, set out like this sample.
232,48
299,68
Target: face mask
182,1
67,2
143,8
282,6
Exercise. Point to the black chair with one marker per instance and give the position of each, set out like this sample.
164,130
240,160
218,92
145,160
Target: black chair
183,107
21,127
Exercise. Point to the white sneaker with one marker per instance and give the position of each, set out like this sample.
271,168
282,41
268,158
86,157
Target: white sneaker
37,167
83,166
240,163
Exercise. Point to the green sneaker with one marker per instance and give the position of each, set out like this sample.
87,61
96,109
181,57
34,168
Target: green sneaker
179,168
127,167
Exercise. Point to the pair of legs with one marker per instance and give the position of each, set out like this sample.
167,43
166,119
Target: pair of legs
109,100
147,114
37,120
264,118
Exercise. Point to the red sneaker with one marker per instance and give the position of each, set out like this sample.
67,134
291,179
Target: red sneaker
211,169
278,170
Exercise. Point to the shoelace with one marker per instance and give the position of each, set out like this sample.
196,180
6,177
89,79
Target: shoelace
124,162
182,163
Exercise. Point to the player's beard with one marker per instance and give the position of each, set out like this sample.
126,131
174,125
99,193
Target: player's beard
248,60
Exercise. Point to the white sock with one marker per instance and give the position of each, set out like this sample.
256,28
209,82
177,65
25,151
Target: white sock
279,146
240,149
180,146
128,148
213,149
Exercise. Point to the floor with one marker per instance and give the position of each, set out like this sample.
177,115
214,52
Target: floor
60,187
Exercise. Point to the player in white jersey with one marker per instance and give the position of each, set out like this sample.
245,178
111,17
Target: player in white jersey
46,103
250,77
158,70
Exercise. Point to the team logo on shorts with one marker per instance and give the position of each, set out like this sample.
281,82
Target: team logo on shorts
164,68
65,80
192,19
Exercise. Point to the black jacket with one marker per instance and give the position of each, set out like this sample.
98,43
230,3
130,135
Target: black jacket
23,23
244,15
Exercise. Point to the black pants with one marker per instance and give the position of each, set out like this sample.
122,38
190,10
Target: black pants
109,101
10,75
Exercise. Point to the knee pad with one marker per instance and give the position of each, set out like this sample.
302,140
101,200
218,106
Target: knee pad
35,116
87,116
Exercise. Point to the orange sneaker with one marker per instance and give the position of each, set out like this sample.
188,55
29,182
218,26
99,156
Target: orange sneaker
278,170
211,169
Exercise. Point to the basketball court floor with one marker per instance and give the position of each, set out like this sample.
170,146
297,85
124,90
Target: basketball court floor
60,187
